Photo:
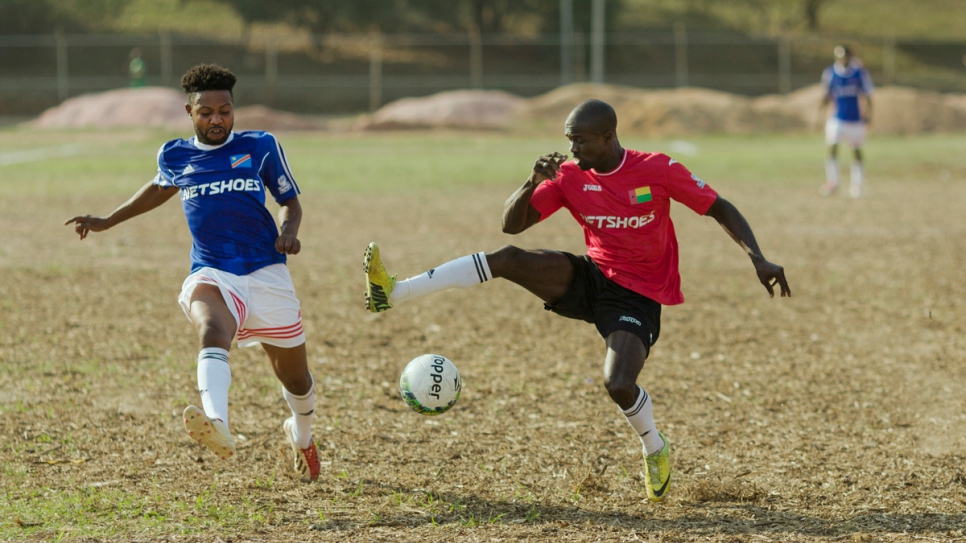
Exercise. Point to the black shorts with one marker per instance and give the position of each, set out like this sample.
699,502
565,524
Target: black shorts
595,298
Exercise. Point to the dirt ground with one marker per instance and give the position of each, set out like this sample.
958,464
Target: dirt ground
643,112
836,415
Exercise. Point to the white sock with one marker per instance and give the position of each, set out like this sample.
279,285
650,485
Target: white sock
641,418
214,380
465,271
855,175
832,171
302,408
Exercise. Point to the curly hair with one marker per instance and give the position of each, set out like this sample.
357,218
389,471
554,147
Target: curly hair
206,77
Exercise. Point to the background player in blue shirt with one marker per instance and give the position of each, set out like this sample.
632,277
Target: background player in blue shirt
239,286
844,83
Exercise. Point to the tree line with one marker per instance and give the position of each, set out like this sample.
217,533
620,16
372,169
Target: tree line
420,16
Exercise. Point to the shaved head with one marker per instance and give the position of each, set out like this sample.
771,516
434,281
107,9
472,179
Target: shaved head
594,115
592,130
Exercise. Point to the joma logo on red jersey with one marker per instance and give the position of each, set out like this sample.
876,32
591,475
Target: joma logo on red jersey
604,221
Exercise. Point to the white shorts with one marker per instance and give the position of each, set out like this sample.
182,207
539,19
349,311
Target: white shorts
838,131
263,304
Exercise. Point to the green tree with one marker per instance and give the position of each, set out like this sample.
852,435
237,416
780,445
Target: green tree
320,16
486,16
34,17
763,15
48,16
811,10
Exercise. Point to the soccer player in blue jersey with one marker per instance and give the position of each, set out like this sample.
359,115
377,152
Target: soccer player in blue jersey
239,286
848,99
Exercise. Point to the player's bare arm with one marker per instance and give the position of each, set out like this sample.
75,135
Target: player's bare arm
290,217
145,199
518,214
822,112
737,227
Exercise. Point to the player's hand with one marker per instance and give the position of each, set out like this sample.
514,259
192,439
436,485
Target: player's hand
772,275
817,121
288,244
88,223
547,166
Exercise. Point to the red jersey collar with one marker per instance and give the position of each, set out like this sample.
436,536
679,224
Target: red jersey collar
615,170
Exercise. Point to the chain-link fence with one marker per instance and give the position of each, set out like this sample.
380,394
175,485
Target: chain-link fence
336,74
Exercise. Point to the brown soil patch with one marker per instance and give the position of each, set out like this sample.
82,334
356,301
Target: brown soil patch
897,110
158,107
836,415
149,107
453,109
673,112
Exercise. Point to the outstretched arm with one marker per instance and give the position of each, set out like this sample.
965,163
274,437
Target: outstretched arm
737,227
290,215
518,214
145,199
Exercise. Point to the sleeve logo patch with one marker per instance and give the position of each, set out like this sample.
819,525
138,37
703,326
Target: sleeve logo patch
284,185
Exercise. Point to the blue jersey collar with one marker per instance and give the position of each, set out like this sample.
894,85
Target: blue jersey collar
206,147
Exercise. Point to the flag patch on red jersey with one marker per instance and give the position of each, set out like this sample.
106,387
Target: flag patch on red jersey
640,195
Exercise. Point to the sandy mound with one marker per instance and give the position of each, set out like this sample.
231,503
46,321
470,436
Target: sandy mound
453,109
896,110
148,106
273,120
157,107
901,110
665,112
654,112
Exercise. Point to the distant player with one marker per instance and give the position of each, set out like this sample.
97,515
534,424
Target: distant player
848,99
136,68
622,199
239,286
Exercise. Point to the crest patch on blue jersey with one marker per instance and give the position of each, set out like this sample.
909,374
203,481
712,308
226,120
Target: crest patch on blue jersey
240,161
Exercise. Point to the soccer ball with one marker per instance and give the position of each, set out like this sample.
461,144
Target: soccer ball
430,384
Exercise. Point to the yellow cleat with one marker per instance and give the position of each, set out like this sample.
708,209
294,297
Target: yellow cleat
212,433
657,472
379,283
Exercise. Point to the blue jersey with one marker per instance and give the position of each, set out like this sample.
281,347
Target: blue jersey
844,85
223,195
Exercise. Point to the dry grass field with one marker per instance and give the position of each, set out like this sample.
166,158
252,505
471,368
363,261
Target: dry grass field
836,415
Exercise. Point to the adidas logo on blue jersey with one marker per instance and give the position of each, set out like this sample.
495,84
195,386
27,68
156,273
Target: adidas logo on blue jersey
188,169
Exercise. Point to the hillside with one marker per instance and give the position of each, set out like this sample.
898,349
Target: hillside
727,46
930,20
654,113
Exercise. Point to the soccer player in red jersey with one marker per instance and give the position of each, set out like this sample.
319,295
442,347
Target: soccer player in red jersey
622,199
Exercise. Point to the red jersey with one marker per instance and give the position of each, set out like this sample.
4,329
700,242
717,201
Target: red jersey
626,217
